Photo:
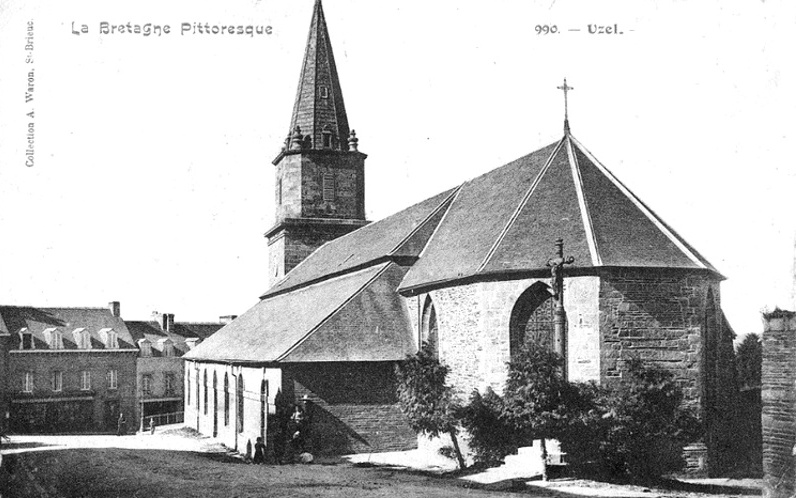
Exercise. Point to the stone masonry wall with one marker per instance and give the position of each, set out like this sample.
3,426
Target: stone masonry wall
779,403
353,406
473,324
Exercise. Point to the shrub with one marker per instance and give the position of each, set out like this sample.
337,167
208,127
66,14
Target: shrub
491,438
427,402
636,430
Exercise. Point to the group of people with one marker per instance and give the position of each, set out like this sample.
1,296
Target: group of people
291,443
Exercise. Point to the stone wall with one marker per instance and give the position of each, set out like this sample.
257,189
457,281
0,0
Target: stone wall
28,408
353,406
779,403
473,322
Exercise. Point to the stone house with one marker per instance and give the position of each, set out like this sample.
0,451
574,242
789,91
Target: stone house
67,369
162,342
465,270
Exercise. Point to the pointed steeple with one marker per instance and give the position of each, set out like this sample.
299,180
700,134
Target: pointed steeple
319,111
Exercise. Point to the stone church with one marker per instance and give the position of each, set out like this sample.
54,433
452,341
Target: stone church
465,270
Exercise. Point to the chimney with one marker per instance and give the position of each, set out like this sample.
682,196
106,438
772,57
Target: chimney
116,308
168,322
227,319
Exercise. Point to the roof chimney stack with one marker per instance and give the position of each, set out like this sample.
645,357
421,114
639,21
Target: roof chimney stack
169,322
116,308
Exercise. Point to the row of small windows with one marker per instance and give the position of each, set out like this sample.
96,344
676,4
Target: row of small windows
55,338
167,348
57,381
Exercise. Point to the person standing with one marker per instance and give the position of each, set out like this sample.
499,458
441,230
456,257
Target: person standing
122,425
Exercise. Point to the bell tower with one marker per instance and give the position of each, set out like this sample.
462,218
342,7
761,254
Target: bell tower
320,173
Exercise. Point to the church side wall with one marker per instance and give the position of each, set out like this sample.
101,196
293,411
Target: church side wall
200,413
352,407
473,325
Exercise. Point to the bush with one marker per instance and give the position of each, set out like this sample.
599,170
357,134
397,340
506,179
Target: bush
491,438
635,430
427,402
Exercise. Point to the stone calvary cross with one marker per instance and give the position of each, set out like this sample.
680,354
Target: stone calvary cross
556,266
565,88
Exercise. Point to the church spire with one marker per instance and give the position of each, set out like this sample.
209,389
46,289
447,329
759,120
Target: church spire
319,111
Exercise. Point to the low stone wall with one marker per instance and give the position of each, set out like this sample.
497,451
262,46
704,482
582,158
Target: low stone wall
779,403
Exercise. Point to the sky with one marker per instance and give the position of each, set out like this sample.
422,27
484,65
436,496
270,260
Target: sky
152,181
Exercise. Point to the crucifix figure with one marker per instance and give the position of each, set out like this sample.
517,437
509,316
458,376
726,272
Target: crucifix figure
565,88
556,266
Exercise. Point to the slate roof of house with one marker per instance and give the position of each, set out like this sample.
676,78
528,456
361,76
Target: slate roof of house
39,321
152,331
357,316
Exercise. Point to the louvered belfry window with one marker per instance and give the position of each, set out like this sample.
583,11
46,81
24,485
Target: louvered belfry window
328,186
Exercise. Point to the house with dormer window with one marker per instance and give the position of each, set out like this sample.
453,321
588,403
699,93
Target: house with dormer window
66,370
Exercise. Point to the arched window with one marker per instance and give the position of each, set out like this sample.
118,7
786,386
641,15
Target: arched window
263,406
239,396
428,327
532,319
205,388
226,399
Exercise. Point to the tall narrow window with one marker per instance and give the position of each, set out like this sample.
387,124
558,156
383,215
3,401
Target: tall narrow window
168,348
279,191
187,386
85,380
327,140
239,396
146,385
324,92
112,341
328,186
57,381
84,339
113,379
55,338
226,400
168,380
428,327
27,382
205,387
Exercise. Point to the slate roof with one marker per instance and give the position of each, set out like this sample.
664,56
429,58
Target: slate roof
319,103
65,320
342,303
358,316
152,331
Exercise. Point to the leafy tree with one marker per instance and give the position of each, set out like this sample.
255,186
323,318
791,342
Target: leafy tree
749,362
428,403
537,401
637,429
491,438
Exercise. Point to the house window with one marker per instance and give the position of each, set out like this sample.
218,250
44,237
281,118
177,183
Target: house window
169,382
146,348
112,341
226,400
25,339
113,379
85,380
27,382
84,339
57,381
328,186
56,339
146,384
168,349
